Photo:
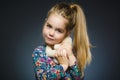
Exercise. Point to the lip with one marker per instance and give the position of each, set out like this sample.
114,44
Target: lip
50,38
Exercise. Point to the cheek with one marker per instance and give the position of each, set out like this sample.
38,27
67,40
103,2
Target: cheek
59,38
44,31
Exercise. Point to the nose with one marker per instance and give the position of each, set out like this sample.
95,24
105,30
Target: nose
51,33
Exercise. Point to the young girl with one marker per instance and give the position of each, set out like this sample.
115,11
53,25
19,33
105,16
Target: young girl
61,20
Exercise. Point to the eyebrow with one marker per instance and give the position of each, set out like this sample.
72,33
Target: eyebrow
60,29
49,24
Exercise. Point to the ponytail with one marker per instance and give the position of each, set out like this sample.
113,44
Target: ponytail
81,42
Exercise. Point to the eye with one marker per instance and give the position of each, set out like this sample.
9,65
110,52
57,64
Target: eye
49,26
59,30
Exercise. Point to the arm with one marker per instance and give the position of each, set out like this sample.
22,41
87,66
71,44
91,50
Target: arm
74,72
44,67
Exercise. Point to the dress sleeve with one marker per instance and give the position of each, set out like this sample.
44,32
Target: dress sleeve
44,66
75,73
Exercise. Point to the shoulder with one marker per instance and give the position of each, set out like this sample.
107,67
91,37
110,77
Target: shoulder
39,50
40,47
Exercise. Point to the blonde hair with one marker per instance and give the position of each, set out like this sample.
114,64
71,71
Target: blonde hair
77,22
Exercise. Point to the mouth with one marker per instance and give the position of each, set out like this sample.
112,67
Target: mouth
51,39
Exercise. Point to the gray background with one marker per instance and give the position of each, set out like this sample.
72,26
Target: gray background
20,30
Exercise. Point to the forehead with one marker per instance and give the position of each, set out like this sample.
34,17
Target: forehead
56,20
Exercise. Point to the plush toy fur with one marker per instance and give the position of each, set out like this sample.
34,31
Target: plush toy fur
51,52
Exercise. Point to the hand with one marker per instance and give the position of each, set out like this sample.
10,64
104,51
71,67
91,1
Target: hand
67,47
62,58
69,53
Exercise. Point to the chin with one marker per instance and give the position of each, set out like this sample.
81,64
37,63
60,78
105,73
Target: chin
49,43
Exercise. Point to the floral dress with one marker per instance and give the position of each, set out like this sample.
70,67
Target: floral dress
46,69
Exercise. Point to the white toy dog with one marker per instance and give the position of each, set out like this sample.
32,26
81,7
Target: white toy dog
51,52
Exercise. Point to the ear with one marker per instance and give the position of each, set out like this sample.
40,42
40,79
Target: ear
68,33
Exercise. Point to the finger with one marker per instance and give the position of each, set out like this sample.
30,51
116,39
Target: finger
58,52
61,52
64,52
55,54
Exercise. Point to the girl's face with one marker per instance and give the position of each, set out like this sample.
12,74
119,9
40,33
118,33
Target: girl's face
54,30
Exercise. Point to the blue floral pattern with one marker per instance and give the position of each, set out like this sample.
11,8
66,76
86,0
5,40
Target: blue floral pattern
46,69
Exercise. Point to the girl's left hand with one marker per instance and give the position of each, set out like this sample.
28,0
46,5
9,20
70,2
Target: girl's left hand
62,58
69,53
67,48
